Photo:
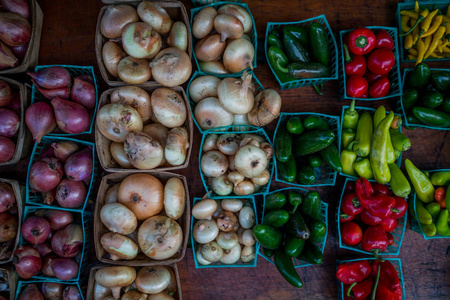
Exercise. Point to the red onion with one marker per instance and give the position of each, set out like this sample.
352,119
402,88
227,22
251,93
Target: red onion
5,93
58,219
68,242
7,58
40,120
44,249
87,78
70,193
7,197
65,149
65,268
52,78
8,227
71,292
21,7
78,166
47,153
15,103
31,292
20,51
83,92
35,230
45,174
49,197
52,290
63,92
27,262
47,265
14,29
9,122
71,117
7,149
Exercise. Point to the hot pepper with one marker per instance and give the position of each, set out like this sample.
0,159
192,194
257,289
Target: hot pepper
374,240
429,229
285,266
360,290
422,214
278,60
363,168
351,117
364,134
361,41
348,157
388,277
399,141
384,40
345,218
383,293
399,184
355,271
434,209
381,61
378,154
355,65
442,227
356,86
379,205
422,184
378,116
350,205
348,135
369,219
274,40
434,43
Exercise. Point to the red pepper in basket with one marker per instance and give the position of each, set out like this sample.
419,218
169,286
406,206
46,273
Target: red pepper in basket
371,77
381,188
378,205
345,218
361,41
383,293
381,61
389,224
355,65
355,271
374,240
401,205
369,219
350,205
380,88
388,277
384,40
360,290
390,238
356,86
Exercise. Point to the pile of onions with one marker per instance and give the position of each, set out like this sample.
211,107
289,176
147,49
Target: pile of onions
232,101
140,54
224,231
223,45
145,131
54,245
142,197
9,121
236,163
157,282
15,32
50,290
8,220
64,176
72,102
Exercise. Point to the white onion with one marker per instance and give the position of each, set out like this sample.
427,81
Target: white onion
235,94
140,40
240,13
171,67
209,113
203,87
204,22
238,56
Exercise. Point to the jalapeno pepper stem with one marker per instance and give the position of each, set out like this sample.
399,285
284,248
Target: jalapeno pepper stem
348,58
350,289
375,285
419,19
350,146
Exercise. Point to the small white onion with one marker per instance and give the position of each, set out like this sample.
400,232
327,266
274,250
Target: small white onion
247,217
203,87
214,163
205,231
209,113
233,205
204,209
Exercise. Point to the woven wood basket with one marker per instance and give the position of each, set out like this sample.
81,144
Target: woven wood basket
12,281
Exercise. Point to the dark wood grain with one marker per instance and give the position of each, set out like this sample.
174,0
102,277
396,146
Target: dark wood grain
68,38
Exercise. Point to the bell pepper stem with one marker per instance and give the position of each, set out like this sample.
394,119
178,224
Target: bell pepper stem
348,58
395,210
350,146
375,253
350,289
344,216
294,209
317,89
375,285
419,19
361,41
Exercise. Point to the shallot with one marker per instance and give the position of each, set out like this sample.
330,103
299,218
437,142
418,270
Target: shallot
71,117
5,93
45,174
64,149
9,122
27,262
79,165
51,78
7,149
14,29
40,120
83,92
7,197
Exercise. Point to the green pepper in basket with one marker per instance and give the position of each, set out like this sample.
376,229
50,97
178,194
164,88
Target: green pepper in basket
378,116
315,122
422,214
348,158
275,201
283,144
429,229
363,168
267,236
378,153
311,253
442,227
274,40
293,48
397,153
318,230
331,156
434,209
423,186
418,77
447,197
278,61
301,33
348,135
286,268
295,199
399,184
400,142
410,98
319,43
364,134
441,178
288,169
351,117
311,206
314,161
441,81
295,126
293,246
306,175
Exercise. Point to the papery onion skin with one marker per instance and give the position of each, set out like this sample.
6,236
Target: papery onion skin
40,120
52,290
251,161
204,22
64,149
44,249
214,163
174,198
35,230
7,149
8,227
203,87
143,151
71,117
178,36
57,219
70,193
176,147
118,218
52,78
215,67
20,7
152,280
119,155
14,29
65,268
47,265
79,166
45,174
71,292
135,97
7,197
112,194
31,292
168,107
112,54
140,40
228,26
116,17
171,67
5,93
155,15
83,92
266,109
119,246
210,48
115,278
209,113
68,242
238,56
235,95
240,13
115,121
9,122
27,262
134,70
51,94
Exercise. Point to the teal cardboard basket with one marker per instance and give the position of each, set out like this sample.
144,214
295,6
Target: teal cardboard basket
324,208
74,71
35,198
396,262
361,109
405,113
325,175
252,34
417,226
394,74
333,53
205,2
258,87
21,285
238,129
398,234
409,5
82,218
258,213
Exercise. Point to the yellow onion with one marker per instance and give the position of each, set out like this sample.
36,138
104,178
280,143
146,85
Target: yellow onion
209,48
171,67
204,22
168,107
143,151
112,54
135,97
116,17
115,121
155,15
134,70
140,40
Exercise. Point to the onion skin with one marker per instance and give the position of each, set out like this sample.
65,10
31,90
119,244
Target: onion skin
7,58
20,7
31,292
251,161
135,97
140,40
52,290
57,219
49,197
116,17
171,67
112,54
238,56
215,67
79,166
44,249
210,48
134,70
64,268
7,197
71,292
14,29
51,78
235,95
214,163
119,155
155,15
47,265
204,22
70,117
240,13
143,151
27,262
266,109
203,87
118,218
8,227
35,230
9,122
112,194
228,26
83,92
115,278
68,242
152,280
7,149
119,246
64,149
15,104
63,92
157,131
40,120
204,209
45,174
70,193
176,146
5,93
178,36
209,113
168,107
174,198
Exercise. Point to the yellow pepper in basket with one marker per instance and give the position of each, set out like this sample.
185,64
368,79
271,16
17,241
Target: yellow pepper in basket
416,6
413,51
421,49
427,22
448,11
437,37
427,42
445,50
404,23
409,13
437,22
409,41
434,55
439,46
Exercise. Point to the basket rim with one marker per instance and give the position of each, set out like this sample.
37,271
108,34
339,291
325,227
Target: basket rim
22,283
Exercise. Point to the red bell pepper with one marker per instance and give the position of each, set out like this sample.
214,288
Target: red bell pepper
374,240
381,188
355,271
372,77
350,205
345,218
390,238
401,205
389,224
355,65
360,290
384,40
383,293
380,88
369,219
388,277
376,204
356,86
361,41
351,233
381,61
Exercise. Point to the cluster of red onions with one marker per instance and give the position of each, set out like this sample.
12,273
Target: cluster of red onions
50,290
8,220
15,32
55,241
71,103
63,174
143,32
9,120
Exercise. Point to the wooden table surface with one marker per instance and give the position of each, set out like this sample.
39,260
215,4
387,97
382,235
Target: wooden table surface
68,38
